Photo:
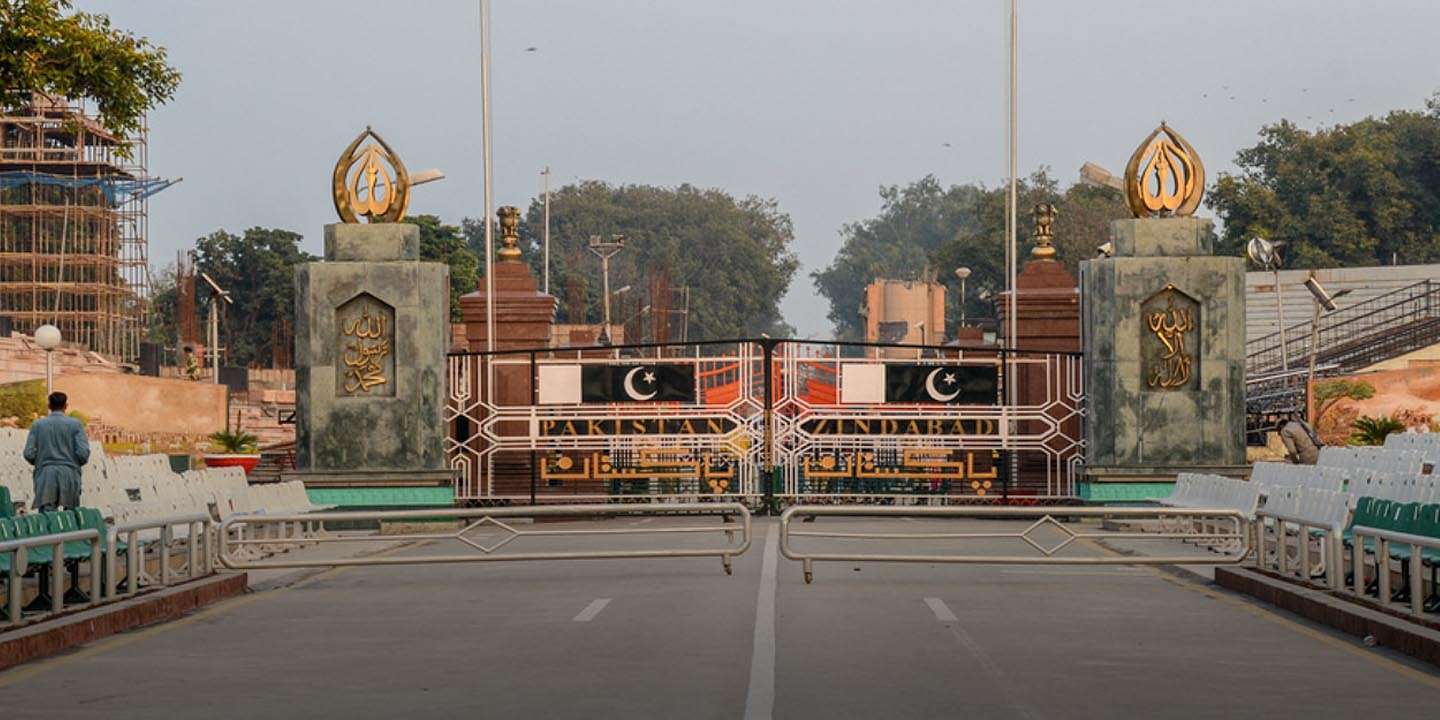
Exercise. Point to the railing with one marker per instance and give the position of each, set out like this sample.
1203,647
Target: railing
1238,540
1383,538
279,531
1378,318
161,538
19,564
1329,557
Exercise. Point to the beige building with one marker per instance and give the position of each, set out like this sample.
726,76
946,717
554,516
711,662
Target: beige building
904,311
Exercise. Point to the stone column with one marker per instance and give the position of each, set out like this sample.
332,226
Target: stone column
1047,320
1165,353
371,330
524,320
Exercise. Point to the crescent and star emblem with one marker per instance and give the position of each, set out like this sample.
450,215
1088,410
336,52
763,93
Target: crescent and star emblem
935,393
635,394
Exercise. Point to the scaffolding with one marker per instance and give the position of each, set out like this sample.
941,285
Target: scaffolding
73,227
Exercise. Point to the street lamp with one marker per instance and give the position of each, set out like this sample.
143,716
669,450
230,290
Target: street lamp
1325,301
1266,254
962,273
606,249
47,336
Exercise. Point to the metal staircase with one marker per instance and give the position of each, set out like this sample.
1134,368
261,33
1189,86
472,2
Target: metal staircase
1357,336
1349,339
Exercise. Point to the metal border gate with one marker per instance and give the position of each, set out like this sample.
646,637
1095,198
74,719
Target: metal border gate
767,424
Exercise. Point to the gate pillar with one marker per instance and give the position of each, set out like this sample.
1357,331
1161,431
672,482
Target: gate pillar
1164,329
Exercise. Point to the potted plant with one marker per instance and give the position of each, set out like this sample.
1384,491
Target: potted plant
236,448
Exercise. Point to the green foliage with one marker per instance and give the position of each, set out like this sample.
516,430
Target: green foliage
1329,393
164,300
925,227
82,417
235,441
446,243
258,270
47,48
733,254
1374,430
25,401
1359,194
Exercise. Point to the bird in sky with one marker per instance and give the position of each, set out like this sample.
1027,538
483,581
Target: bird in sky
532,48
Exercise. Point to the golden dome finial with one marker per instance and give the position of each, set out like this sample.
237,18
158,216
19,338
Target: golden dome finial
1165,176
363,185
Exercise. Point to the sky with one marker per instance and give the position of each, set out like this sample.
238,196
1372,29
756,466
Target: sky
816,104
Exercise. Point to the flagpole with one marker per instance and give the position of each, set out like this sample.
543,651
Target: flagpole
1011,218
489,176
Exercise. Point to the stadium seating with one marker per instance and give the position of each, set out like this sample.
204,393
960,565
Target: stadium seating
140,488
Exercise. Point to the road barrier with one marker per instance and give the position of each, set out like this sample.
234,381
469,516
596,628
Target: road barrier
281,531
1170,523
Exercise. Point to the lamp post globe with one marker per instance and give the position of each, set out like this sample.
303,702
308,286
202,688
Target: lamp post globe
47,337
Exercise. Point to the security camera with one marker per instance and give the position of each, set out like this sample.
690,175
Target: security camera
1106,249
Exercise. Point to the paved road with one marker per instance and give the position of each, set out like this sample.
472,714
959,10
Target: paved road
679,639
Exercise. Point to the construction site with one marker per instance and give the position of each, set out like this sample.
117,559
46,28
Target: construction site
73,226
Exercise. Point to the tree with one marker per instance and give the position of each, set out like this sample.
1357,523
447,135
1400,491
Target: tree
926,229
1361,194
446,243
1331,393
46,48
258,270
733,254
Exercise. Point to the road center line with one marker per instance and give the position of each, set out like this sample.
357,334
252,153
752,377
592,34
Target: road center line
941,610
760,697
987,665
592,610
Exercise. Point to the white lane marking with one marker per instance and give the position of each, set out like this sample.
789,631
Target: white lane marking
946,616
941,610
1117,571
760,697
592,610
642,522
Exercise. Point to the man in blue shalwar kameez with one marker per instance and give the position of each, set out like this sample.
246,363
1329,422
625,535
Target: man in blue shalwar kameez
57,447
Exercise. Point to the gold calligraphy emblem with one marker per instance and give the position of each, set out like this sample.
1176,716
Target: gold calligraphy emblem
1165,176
364,357
370,182
1176,363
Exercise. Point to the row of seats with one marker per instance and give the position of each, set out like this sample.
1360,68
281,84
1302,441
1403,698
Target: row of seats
1198,490
1411,518
141,488
1424,443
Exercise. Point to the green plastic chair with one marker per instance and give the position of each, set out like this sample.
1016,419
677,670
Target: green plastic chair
7,532
7,505
35,525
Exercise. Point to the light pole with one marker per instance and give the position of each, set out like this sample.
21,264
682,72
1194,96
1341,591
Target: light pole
489,174
1266,254
606,249
962,273
47,336
546,174
1326,302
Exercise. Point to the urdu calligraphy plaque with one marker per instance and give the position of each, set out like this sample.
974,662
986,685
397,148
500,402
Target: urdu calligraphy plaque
1170,341
365,352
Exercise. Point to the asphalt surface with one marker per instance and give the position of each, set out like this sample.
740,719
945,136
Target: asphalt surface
677,638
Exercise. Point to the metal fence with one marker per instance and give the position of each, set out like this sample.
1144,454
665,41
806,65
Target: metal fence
767,421
477,535
156,553
1199,525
